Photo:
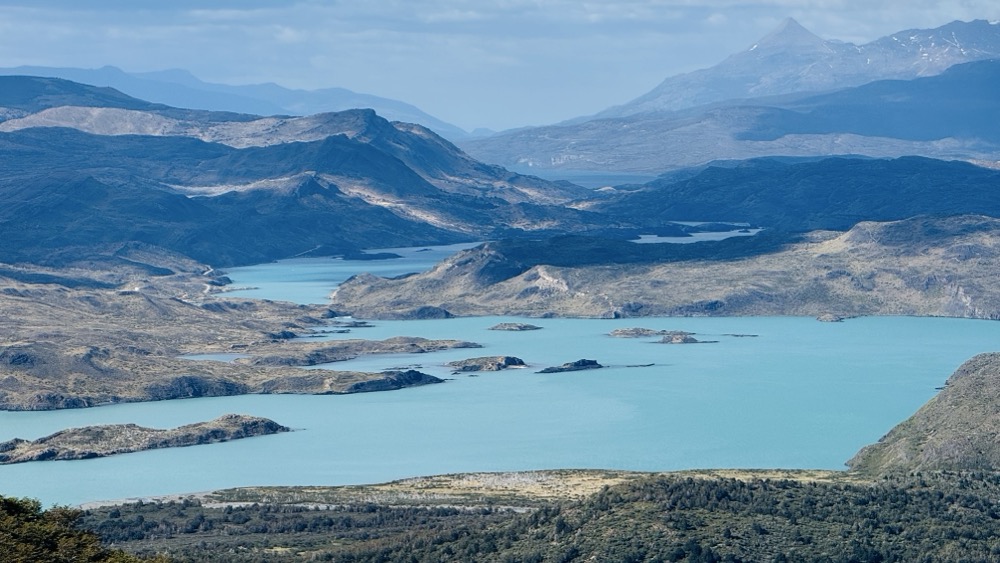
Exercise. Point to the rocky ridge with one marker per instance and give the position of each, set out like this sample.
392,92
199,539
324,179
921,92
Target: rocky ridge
577,365
486,363
178,88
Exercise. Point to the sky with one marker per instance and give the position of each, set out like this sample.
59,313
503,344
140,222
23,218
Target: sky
495,64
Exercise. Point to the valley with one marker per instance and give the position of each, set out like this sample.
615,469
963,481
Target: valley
441,357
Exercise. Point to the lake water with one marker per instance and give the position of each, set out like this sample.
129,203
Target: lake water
310,280
799,394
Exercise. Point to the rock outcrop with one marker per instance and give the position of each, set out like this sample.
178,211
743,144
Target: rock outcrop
515,327
100,441
486,363
638,332
394,380
683,338
573,366
348,349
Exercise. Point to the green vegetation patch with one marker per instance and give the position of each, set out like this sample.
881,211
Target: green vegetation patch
808,516
29,534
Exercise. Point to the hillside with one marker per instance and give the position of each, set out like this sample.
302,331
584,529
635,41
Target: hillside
733,516
32,102
75,177
831,193
954,431
29,533
919,266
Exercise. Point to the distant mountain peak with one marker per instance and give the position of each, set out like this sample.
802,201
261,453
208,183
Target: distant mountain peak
789,33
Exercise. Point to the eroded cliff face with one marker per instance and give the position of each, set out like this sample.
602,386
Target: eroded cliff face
105,440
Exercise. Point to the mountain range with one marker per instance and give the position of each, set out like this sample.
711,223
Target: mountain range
122,169
181,89
88,165
792,59
931,95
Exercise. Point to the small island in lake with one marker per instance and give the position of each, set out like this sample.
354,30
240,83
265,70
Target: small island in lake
573,366
112,439
639,332
515,327
684,338
486,363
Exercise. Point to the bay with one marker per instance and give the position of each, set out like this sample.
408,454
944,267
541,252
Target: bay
799,394
310,280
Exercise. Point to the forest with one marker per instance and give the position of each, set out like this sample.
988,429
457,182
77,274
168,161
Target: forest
917,517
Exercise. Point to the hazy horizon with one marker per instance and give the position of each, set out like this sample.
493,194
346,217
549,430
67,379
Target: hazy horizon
497,64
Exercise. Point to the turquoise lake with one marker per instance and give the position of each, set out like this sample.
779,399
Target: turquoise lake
799,394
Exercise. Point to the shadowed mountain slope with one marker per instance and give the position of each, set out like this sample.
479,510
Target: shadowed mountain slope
328,184
46,103
229,206
833,193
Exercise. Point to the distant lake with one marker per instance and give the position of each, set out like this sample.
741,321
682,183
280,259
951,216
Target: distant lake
799,394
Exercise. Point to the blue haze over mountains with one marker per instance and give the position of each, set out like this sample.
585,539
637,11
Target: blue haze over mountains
788,60
179,88
792,94
793,59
